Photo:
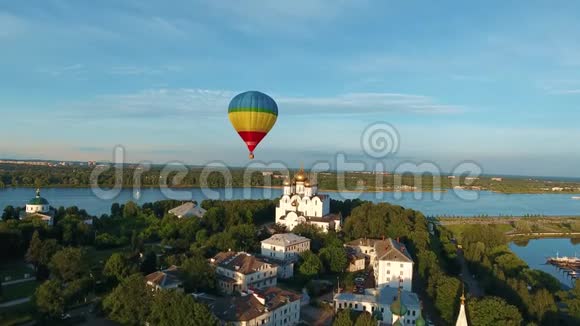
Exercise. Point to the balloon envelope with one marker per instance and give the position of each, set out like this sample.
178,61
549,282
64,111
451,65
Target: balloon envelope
252,114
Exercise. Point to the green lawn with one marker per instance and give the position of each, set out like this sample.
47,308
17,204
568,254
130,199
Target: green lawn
17,315
19,290
15,270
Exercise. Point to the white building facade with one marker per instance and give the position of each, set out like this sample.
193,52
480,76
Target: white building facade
240,271
390,260
39,207
271,307
378,302
301,203
285,248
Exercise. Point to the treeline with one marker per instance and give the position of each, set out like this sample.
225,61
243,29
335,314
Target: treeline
503,274
13,175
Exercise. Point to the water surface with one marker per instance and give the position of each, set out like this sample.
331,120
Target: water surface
534,252
431,204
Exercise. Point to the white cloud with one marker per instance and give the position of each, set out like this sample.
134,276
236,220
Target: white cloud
56,71
183,103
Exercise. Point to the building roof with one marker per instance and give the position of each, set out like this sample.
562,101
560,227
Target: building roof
387,249
285,239
253,304
362,242
386,296
326,218
188,209
37,200
165,278
392,250
240,262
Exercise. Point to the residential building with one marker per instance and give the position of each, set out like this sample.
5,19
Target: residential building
240,271
301,203
165,279
356,260
284,249
272,307
188,209
390,260
383,303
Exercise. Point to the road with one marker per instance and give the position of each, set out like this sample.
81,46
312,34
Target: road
14,302
22,280
474,289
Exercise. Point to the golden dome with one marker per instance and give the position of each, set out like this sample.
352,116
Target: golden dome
307,183
286,182
300,176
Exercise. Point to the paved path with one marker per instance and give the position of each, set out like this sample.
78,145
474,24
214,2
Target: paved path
22,280
14,302
472,284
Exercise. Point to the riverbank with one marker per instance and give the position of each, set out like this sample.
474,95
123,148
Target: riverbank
521,227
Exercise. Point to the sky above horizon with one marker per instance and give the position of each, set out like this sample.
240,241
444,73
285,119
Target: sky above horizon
495,82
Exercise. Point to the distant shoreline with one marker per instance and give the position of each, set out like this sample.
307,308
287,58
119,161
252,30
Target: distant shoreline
321,189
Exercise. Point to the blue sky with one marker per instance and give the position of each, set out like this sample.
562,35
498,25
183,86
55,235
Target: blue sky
496,82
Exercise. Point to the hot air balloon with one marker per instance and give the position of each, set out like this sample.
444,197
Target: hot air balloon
252,114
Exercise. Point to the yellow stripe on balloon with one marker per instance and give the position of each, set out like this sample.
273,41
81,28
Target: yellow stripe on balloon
252,121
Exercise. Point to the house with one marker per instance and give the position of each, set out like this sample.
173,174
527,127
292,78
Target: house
188,209
165,279
356,260
386,304
272,306
240,271
300,203
497,179
284,249
390,260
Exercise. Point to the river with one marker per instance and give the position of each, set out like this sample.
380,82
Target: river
535,251
452,203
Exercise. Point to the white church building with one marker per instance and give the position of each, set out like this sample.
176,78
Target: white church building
301,203
39,207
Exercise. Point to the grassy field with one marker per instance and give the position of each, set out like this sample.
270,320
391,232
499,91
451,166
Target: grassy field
18,291
521,227
15,270
17,315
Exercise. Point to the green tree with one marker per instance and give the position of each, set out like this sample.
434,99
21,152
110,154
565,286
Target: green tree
69,264
130,209
365,319
175,308
310,264
334,259
446,296
9,213
491,311
343,318
198,274
49,298
34,249
130,302
118,267
149,263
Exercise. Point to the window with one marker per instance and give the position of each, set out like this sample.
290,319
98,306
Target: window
356,306
401,272
413,312
388,271
388,264
401,265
